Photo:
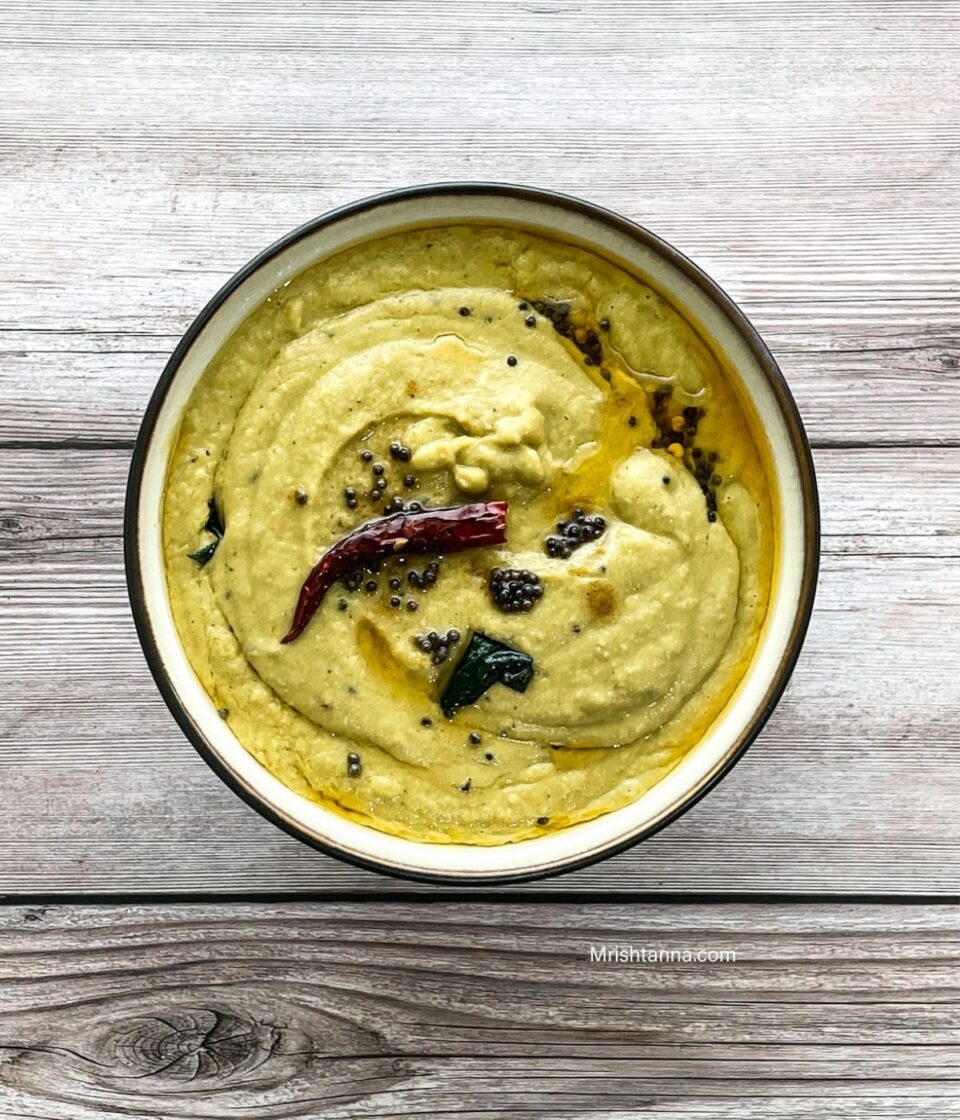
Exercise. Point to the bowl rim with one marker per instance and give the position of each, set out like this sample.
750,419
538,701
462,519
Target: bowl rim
790,414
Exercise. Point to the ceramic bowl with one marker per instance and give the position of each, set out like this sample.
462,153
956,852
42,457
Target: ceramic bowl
793,496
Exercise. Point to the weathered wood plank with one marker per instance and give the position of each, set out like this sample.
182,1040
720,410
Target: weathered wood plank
892,388
391,1010
855,784
836,278
805,156
67,504
475,27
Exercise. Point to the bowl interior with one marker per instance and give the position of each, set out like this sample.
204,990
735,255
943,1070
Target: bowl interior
792,498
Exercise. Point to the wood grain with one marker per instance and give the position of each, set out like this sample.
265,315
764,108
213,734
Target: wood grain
388,1010
853,785
804,153
90,388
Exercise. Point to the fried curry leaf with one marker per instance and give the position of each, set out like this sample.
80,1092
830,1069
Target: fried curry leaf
214,524
205,552
214,520
484,663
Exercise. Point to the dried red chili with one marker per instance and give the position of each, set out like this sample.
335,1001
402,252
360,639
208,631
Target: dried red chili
452,529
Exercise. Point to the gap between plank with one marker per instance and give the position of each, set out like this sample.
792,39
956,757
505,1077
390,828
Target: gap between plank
491,895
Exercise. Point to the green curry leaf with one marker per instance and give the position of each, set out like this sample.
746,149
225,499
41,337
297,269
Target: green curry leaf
205,552
214,524
484,663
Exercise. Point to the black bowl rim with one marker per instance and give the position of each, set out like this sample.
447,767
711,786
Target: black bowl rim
775,378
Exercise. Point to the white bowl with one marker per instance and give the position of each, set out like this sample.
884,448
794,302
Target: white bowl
793,498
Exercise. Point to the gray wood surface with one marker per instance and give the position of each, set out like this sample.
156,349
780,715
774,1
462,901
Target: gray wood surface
438,1010
855,784
805,152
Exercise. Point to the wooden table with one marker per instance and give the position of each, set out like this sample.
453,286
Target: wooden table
166,953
